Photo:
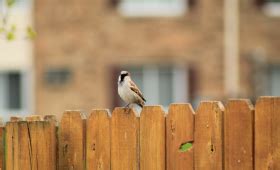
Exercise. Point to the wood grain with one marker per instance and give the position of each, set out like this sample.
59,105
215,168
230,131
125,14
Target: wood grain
12,146
98,141
267,133
25,150
179,130
72,141
124,140
43,143
152,138
208,136
50,129
238,136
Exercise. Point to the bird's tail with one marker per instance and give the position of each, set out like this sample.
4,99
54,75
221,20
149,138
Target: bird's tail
141,104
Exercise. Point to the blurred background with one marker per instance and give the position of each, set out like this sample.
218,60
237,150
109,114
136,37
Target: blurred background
176,51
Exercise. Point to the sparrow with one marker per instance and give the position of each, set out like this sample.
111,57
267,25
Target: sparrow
128,90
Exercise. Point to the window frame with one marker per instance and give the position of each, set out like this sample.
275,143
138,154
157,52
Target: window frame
26,95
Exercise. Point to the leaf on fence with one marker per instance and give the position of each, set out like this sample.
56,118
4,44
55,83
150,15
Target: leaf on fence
185,147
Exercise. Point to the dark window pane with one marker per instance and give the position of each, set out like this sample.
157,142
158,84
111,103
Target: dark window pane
14,91
58,76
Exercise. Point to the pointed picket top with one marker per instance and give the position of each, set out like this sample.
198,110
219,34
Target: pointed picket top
208,135
125,111
179,136
33,118
15,118
156,109
186,107
73,113
215,104
240,103
99,112
50,117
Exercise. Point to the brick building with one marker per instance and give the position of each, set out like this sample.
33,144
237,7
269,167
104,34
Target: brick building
175,50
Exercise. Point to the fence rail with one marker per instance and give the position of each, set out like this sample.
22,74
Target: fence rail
237,136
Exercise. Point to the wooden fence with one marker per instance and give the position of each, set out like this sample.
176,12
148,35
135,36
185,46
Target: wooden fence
237,137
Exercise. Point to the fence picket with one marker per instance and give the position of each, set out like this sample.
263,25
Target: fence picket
238,136
25,151
232,138
2,147
42,136
51,131
71,141
208,136
267,133
152,138
98,141
179,130
12,146
124,140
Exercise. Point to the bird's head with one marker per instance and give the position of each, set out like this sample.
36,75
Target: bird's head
122,75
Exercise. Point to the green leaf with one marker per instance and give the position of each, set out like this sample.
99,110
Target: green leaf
31,34
185,147
10,36
10,3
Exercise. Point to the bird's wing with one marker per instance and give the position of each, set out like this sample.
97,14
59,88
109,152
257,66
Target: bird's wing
136,90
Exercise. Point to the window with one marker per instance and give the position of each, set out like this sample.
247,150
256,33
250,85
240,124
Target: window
161,85
13,93
57,76
272,7
274,81
154,8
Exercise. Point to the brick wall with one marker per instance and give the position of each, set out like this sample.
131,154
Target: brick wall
89,37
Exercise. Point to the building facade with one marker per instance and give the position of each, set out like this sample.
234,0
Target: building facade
16,62
174,49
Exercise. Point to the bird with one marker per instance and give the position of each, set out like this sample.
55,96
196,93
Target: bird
128,91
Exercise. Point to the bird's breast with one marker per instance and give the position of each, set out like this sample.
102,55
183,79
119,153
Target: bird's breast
125,93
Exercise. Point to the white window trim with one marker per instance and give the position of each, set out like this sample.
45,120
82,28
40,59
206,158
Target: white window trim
272,9
180,90
151,74
138,8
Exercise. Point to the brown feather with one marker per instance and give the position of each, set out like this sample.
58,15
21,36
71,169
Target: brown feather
136,90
